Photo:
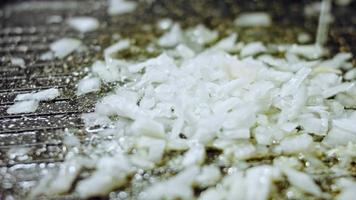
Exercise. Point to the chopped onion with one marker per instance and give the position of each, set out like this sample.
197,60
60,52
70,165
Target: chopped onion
226,44
23,107
165,24
47,56
208,176
304,38
18,61
95,119
119,46
258,177
171,38
119,7
83,24
337,136
44,95
348,189
88,85
214,115
253,19
148,127
296,144
211,194
65,46
237,186
350,75
337,89
302,181
177,187
107,73
65,177
308,51
293,84
111,173
195,156
252,49
201,34
54,19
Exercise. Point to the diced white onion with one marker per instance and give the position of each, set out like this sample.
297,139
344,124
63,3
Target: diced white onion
119,7
65,46
302,181
88,85
44,95
23,107
253,19
83,24
296,144
252,49
16,61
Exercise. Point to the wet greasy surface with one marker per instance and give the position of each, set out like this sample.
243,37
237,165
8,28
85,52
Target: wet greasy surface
26,33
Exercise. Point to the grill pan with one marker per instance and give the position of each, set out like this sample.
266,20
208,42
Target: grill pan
28,27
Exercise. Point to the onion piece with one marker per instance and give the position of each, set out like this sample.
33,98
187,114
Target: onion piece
201,34
155,148
119,7
111,173
343,87
165,24
307,51
211,194
296,144
23,107
95,119
177,187
83,24
148,127
88,85
194,156
350,75
107,73
172,37
348,189
49,55
337,136
117,47
253,19
226,44
252,49
44,95
65,46
67,174
16,61
259,177
293,84
302,181
209,176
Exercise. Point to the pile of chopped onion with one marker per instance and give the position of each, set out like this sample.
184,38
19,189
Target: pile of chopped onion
246,103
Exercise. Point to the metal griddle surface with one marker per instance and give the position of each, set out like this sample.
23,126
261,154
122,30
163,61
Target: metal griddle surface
25,32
